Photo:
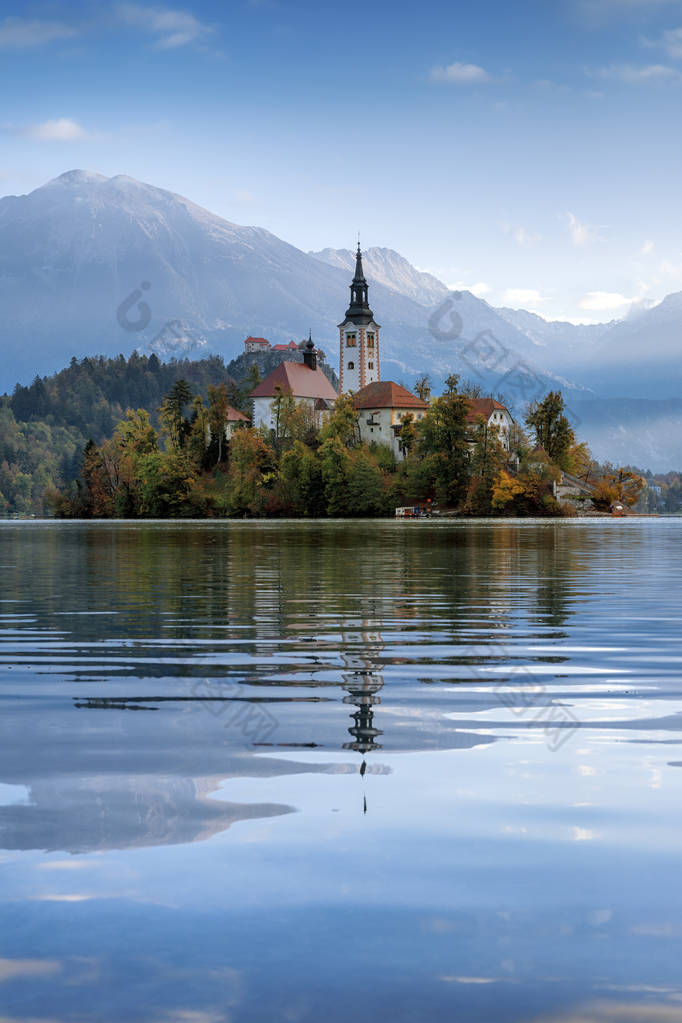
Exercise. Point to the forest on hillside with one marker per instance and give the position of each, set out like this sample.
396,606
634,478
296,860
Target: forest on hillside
44,427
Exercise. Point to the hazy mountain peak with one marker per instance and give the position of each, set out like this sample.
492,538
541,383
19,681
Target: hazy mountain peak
388,267
77,177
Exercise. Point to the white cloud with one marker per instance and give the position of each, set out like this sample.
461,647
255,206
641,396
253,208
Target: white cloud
11,969
634,75
460,74
478,290
604,301
21,33
522,297
647,248
581,234
523,237
62,129
172,28
671,41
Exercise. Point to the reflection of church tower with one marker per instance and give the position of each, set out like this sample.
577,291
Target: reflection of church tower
362,682
362,689
358,337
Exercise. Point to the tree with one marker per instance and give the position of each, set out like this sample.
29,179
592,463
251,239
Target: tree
336,469
218,411
407,433
344,423
96,494
172,413
471,390
283,408
365,486
423,387
250,474
488,458
506,488
442,445
301,486
621,486
551,427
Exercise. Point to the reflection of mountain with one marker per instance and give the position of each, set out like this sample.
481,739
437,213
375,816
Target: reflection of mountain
121,811
113,780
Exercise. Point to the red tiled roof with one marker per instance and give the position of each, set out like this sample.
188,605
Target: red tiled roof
386,394
258,341
234,416
483,407
297,379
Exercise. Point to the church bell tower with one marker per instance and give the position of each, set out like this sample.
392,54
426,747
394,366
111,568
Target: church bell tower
358,337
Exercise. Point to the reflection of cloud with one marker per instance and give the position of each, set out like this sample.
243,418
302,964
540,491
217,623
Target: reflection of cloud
664,929
10,969
460,74
599,917
615,1012
22,33
57,897
193,1016
476,980
64,865
171,28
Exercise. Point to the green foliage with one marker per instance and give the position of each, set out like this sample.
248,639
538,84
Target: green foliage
86,448
551,428
442,446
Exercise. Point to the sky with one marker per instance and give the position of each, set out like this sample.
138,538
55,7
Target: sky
529,151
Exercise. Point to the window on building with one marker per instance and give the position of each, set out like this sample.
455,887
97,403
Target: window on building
370,365
370,340
351,340
351,365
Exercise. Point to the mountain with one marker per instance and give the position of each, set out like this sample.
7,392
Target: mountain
632,431
387,267
95,265
641,356
557,343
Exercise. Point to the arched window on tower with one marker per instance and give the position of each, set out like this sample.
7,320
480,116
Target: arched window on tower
351,365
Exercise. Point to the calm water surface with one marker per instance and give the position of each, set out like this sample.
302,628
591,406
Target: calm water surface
341,771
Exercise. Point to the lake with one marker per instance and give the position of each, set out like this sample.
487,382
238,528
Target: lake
400,771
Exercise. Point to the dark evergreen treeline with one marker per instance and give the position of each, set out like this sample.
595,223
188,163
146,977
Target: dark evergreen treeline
45,426
92,394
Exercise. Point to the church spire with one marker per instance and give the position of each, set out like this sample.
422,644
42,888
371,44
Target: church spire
358,336
359,311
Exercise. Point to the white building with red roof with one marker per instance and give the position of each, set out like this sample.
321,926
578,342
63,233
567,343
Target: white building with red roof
382,407
304,381
256,344
492,413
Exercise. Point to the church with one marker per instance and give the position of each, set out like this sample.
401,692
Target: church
381,406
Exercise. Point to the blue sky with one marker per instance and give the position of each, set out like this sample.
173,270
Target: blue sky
530,151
